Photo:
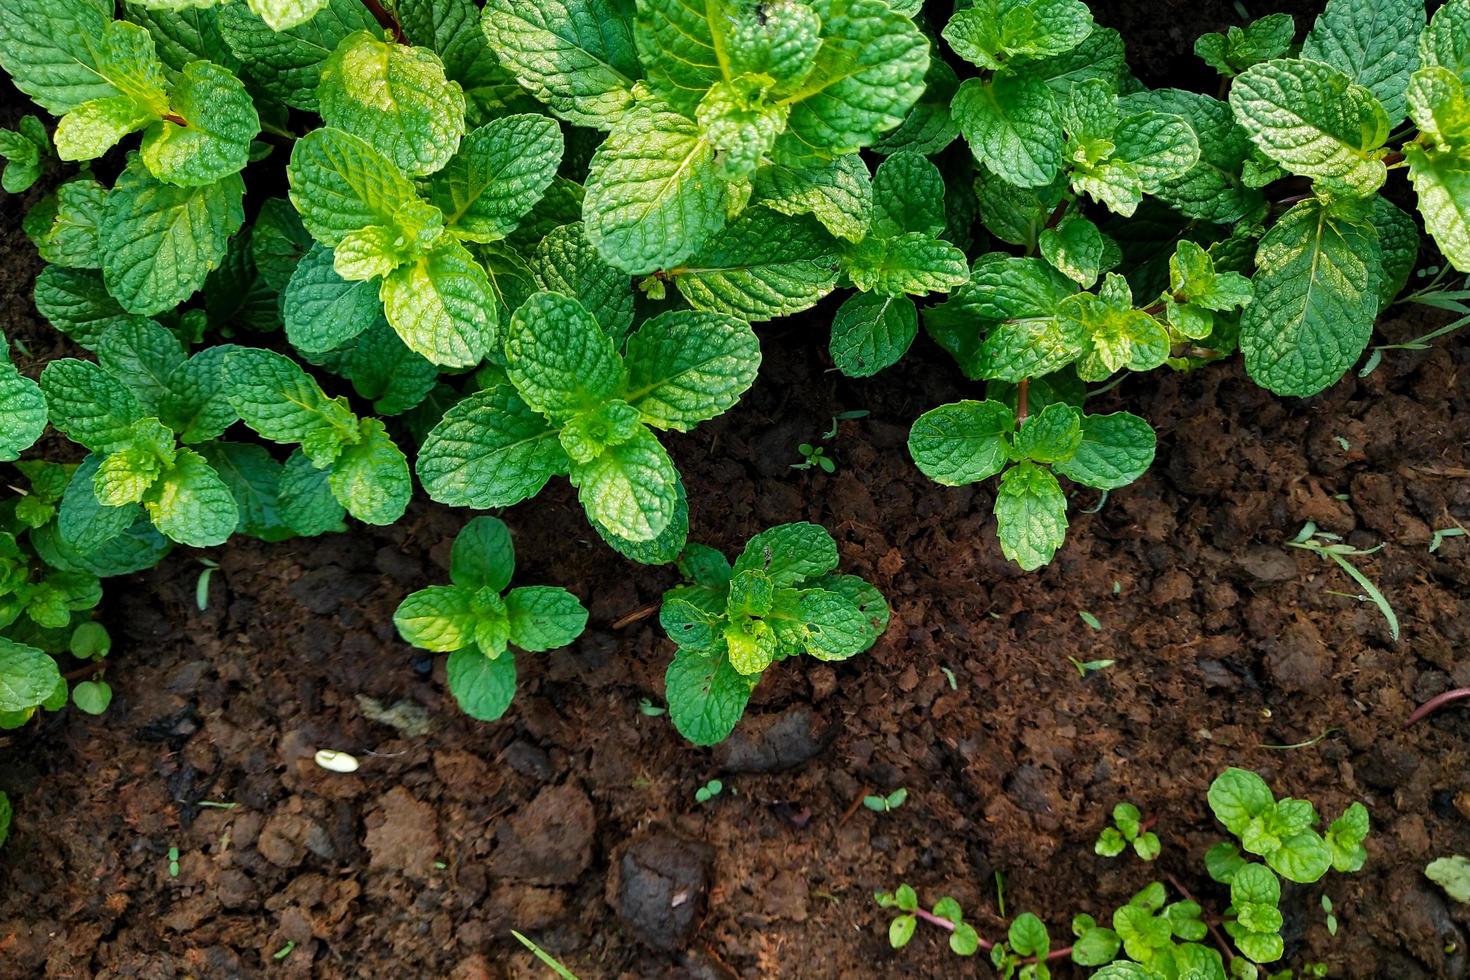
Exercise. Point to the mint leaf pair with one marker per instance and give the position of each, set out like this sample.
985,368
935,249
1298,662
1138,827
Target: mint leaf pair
571,404
476,621
779,599
341,461
968,441
359,203
901,255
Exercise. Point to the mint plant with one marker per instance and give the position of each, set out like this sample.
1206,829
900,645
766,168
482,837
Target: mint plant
1127,830
779,599
476,621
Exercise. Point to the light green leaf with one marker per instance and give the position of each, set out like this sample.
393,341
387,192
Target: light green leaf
23,412
340,184
1374,41
1315,121
396,98
93,128
440,619
482,686
1345,837
498,175
278,400
490,450
1237,796
789,553
72,237
483,555
1115,450
992,32
685,367
322,311
1030,515
1445,43
85,523
282,15
576,56
219,122
1442,182
89,406
629,489
370,477
440,304
962,442
838,193
544,618
1316,295
559,359
653,196
190,504
1051,435
1115,334
831,626
49,49
565,262
159,242
1453,875
1239,48
1013,126
93,697
683,48
27,678
706,696
661,549
871,332
739,119
763,265
285,64
913,264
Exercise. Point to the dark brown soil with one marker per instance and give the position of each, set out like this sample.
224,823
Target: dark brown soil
574,818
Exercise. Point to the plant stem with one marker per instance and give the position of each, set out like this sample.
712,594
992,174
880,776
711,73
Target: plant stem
1053,219
384,19
1214,930
1435,703
1022,390
985,944
175,119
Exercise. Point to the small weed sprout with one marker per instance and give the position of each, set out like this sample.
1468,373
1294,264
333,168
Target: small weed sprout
883,804
1331,546
709,791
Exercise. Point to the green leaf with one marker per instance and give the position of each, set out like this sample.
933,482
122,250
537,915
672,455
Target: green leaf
340,184
1213,189
190,504
281,15
544,618
838,193
629,488
440,618
1442,182
49,49
1374,41
1239,48
871,332
254,480
576,56
370,476
682,48
1237,796
685,367
1316,295
483,555
763,265
84,523
307,504
789,554
277,399
664,547
1445,43
1315,121
396,98
1345,837
928,128
1116,335
1030,515
1302,857
565,262
278,242
441,306
1115,450
738,119
1453,875
72,236
88,405
1074,248
1027,935
1013,126
1051,435
382,369
559,359
322,311
23,149
286,64
832,627
490,450
992,32
76,302
501,170
653,196
706,696
913,263
93,697
963,442
483,686
867,74
27,676
23,411
780,40
219,123
159,242
181,36
144,354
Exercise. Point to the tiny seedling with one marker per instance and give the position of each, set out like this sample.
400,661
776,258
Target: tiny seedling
284,951
648,709
173,862
546,958
882,804
201,587
814,456
1331,546
709,791
1085,667
1330,918
1089,619
1438,537
949,676
1128,828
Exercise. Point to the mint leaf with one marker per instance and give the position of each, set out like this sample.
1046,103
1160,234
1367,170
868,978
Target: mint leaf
914,263
1445,43
440,305
482,686
871,332
23,411
322,311
89,406
1052,435
1314,120
482,555
71,237
761,266
370,476
1374,41
190,504
306,501
559,359
831,626
498,175
49,51
706,696
576,56
27,678
565,262
629,488
159,241
76,302
1316,289
1013,128
282,15
340,184
544,618
838,193
789,553
490,450
1074,248
1442,182
1115,450
963,442
687,367
285,63
214,141
254,480
394,97
653,194
278,400
992,32
1240,48
1030,515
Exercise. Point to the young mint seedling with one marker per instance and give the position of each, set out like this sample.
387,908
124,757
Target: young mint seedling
1128,829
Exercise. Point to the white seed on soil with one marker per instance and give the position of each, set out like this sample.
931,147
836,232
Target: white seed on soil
336,761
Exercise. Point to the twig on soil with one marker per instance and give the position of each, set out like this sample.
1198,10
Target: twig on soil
1214,929
854,809
629,618
1435,703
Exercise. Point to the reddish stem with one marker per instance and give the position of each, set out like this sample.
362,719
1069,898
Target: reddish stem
985,944
1435,703
384,19
176,120
1022,390
1053,219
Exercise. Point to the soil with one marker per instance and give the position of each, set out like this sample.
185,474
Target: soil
574,818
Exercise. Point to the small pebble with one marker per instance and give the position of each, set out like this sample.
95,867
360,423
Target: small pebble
336,761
